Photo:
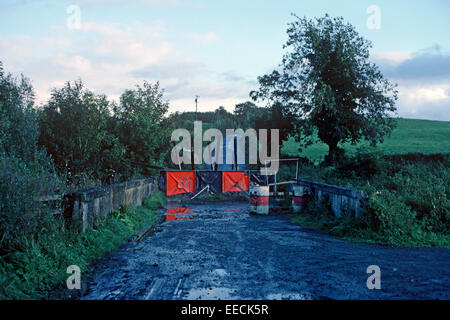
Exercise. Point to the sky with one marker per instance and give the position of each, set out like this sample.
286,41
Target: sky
216,49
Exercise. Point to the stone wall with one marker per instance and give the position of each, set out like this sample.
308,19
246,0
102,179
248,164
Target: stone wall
87,206
340,198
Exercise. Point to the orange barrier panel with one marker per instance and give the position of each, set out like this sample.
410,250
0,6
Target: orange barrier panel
180,182
232,179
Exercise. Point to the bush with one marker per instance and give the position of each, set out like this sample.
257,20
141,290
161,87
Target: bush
366,164
425,192
155,201
138,125
407,199
21,215
25,171
18,119
74,130
389,216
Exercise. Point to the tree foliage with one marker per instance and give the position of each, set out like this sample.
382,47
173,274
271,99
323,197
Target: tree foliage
74,131
138,125
18,119
26,171
326,80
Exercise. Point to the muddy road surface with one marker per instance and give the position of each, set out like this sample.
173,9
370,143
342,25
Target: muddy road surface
220,251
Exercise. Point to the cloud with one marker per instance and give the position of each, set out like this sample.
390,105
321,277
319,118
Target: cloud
111,57
171,69
101,54
391,57
140,3
232,76
429,63
130,2
205,38
423,78
429,94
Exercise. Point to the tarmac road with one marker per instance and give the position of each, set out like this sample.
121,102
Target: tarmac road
219,251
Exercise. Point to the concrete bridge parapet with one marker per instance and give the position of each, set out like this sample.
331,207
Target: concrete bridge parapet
340,198
88,205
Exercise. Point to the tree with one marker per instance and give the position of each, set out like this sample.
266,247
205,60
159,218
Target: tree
249,115
18,119
26,172
74,131
138,124
327,81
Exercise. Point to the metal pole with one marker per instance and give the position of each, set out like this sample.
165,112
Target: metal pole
196,101
178,156
275,185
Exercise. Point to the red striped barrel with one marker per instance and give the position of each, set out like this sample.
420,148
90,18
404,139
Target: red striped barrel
259,199
298,198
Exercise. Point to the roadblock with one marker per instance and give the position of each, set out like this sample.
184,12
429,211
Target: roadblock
209,179
234,181
178,182
258,190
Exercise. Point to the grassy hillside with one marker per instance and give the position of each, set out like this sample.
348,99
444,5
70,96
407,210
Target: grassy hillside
411,135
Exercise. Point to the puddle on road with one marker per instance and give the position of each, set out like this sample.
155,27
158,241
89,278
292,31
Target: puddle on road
175,212
178,213
219,272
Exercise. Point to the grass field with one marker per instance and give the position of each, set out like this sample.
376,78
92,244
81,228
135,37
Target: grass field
410,136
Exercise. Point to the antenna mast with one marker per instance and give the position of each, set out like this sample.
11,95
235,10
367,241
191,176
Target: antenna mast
196,102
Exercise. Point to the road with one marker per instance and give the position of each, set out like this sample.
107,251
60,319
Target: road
220,251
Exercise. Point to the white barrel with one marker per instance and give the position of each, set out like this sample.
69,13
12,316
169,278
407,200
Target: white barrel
298,198
259,199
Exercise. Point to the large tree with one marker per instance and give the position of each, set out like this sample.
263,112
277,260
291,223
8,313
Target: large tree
18,119
326,80
74,131
138,121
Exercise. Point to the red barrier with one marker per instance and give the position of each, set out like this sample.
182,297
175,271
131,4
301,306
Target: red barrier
180,182
232,179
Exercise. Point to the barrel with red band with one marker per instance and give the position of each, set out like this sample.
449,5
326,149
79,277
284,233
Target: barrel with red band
298,198
259,199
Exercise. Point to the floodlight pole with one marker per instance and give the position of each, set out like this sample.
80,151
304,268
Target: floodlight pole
196,102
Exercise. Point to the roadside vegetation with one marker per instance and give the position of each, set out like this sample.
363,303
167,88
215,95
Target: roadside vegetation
76,140
38,265
406,199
